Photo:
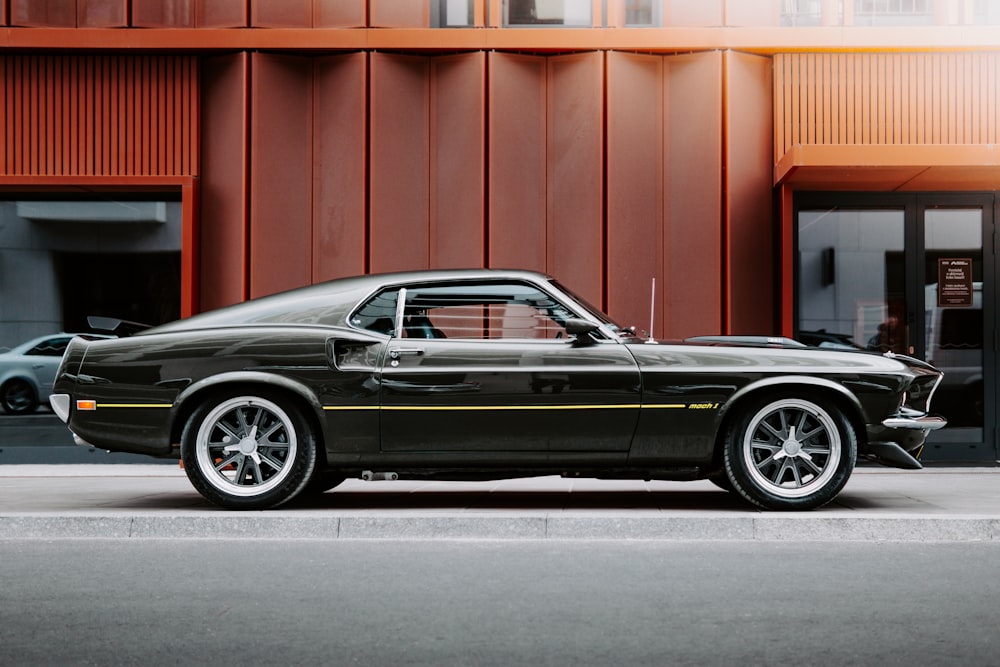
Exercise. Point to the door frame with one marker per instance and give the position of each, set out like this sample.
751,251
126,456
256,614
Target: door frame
914,206
186,186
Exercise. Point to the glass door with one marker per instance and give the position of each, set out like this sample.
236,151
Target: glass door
908,274
954,253
852,278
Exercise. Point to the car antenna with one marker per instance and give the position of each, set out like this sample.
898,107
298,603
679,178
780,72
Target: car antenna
652,311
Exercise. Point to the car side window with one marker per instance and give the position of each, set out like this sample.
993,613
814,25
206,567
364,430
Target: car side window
483,312
378,314
51,347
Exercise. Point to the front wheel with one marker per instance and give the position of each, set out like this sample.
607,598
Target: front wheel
248,451
790,453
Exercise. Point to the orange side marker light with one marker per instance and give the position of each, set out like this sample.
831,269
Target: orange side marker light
86,404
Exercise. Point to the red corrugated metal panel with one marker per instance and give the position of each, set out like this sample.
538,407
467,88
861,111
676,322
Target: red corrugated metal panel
399,13
281,133
102,13
50,13
281,14
339,161
100,115
757,13
340,13
516,161
220,13
749,193
687,13
225,173
68,13
885,99
163,13
694,185
399,161
635,156
312,13
458,160
575,164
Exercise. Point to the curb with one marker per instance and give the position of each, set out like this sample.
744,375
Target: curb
469,526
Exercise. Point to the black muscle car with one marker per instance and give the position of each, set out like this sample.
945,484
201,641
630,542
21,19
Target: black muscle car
483,374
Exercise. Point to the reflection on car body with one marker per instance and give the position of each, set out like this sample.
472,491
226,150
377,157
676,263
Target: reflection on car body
484,374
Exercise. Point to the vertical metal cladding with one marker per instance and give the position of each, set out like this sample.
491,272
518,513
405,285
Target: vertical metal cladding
885,99
93,115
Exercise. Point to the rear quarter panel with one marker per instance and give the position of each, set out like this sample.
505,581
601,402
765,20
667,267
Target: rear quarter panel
145,386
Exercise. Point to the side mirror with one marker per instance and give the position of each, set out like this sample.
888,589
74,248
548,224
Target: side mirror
581,329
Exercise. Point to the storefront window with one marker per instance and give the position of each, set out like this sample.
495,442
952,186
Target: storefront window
851,279
893,12
62,260
452,14
953,314
910,277
570,13
643,13
802,13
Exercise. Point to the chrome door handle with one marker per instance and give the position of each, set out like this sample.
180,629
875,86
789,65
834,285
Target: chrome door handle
405,351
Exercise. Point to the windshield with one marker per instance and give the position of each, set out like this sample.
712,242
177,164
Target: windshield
596,313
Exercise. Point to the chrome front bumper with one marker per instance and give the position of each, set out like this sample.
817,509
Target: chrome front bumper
898,441
916,421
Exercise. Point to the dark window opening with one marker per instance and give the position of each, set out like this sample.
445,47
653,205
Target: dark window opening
140,287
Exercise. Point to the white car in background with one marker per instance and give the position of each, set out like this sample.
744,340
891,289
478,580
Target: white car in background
27,372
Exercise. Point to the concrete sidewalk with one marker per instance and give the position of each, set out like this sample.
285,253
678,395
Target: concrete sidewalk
156,501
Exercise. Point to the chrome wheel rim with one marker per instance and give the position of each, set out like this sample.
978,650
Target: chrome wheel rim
791,448
246,446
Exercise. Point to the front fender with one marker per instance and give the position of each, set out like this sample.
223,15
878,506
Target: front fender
788,381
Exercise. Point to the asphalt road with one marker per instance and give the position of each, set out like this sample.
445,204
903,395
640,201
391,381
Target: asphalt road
372,602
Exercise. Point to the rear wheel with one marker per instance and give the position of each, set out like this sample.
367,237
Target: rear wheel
249,451
790,453
18,397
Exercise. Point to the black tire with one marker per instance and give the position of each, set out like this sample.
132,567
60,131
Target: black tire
248,451
18,397
790,453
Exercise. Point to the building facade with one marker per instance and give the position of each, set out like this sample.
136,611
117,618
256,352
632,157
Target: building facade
820,169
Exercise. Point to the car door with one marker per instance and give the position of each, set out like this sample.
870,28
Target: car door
490,367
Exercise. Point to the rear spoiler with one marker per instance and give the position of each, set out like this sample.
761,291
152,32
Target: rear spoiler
121,328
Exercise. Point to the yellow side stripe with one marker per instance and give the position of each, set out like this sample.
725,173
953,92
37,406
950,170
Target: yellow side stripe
135,405
494,408
410,408
345,408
